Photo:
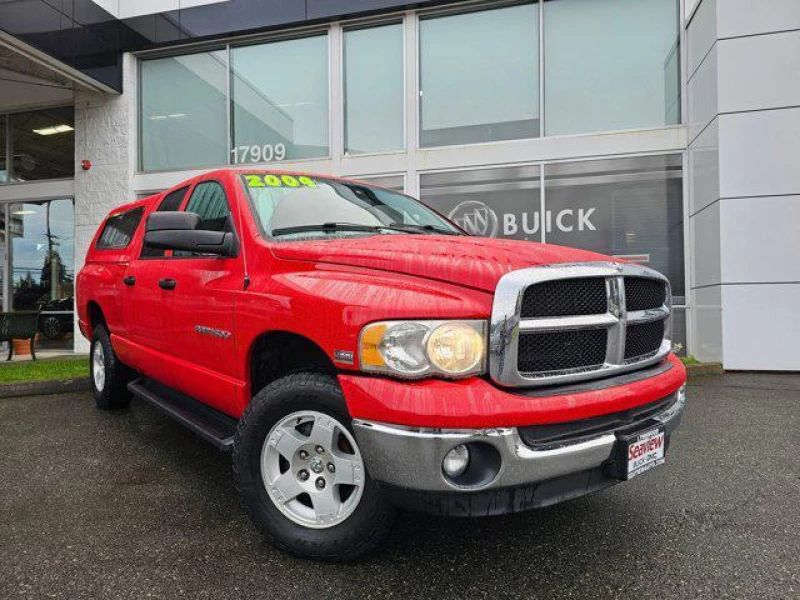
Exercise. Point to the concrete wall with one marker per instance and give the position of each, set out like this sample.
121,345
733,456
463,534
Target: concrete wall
744,183
104,126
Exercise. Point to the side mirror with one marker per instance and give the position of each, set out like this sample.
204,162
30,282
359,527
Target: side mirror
178,230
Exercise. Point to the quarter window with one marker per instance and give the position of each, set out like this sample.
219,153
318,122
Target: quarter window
119,230
171,201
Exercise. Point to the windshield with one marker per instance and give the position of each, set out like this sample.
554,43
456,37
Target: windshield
290,207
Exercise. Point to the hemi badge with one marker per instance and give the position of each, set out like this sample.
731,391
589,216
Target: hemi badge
344,356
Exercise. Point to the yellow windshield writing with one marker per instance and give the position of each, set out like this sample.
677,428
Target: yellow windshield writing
279,181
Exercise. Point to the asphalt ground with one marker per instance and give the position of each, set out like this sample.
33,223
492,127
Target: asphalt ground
130,505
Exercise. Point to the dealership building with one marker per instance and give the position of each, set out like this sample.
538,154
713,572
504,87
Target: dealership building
666,132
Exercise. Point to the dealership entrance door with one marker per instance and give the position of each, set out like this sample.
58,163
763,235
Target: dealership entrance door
38,267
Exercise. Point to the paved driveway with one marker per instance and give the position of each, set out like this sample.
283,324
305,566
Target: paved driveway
129,505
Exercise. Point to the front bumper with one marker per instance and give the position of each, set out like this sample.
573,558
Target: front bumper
510,476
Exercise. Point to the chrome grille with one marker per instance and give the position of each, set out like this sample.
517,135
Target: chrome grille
561,350
643,294
564,297
565,323
643,340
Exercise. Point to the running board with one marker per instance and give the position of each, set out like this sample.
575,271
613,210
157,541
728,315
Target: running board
211,425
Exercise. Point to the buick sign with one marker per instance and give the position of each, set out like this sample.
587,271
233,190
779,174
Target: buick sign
475,218
478,219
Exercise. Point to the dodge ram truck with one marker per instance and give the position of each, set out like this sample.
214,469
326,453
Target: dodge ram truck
357,353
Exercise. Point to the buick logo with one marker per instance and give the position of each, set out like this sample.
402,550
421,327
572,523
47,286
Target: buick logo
476,218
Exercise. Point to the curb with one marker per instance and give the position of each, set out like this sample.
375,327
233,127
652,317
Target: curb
42,388
704,369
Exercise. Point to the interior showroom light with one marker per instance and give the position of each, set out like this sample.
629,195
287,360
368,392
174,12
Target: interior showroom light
54,129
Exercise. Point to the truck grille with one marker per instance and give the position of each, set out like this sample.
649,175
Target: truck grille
557,350
568,323
643,294
564,297
643,339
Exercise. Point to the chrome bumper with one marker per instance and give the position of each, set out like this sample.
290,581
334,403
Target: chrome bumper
411,458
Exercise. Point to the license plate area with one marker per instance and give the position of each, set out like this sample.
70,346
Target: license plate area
638,452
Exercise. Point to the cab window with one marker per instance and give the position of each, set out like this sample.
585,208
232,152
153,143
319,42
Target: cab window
171,202
208,201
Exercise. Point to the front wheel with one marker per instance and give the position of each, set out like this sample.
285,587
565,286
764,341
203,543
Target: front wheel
301,474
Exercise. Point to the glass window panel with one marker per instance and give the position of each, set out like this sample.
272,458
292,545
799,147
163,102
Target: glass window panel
42,260
630,208
173,200
393,182
479,76
280,100
3,288
209,202
610,64
679,331
3,164
119,229
43,144
374,91
501,202
283,208
183,111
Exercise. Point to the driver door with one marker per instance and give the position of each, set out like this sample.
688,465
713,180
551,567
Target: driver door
200,320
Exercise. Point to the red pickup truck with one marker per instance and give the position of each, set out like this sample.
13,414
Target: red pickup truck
358,352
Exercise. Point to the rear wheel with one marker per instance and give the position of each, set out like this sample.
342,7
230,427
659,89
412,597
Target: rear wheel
301,474
109,377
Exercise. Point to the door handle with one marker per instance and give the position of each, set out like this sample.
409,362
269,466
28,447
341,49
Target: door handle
167,284
129,280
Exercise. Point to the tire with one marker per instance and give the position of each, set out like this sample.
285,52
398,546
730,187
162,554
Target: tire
50,327
361,520
109,377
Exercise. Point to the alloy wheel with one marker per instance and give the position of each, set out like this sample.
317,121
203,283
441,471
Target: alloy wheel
312,469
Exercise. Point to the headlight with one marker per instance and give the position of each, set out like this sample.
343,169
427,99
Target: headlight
424,348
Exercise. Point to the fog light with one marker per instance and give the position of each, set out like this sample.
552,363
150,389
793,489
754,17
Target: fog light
456,461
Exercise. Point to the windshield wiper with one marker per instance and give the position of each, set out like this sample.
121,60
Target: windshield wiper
338,226
326,227
426,228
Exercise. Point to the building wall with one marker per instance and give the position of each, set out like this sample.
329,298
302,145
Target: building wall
568,161
702,124
104,124
759,123
741,83
744,185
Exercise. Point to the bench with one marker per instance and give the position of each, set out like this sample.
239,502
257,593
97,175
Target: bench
20,325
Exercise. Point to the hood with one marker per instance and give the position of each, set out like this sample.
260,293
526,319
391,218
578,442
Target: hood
468,261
